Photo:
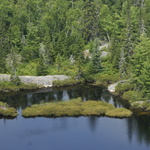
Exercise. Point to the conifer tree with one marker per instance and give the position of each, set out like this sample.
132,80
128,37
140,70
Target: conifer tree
95,61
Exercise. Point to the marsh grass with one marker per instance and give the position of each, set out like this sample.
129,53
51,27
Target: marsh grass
7,86
67,82
6,111
74,108
119,112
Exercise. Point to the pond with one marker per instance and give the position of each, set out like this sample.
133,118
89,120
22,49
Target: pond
82,133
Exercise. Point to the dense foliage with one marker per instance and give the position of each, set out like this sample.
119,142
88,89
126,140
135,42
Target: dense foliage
40,37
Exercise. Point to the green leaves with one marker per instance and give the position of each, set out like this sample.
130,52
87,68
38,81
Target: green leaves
141,65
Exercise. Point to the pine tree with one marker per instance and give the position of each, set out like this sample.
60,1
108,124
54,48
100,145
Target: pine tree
141,66
95,61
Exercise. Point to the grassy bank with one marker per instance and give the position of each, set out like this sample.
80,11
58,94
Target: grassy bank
75,107
67,82
136,98
6,111
6,86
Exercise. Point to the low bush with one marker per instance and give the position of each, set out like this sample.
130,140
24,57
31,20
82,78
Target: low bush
133,96
105,79
6,111
2,104
67,82
28,69
129,95
123,87
146,104
135,105
6,86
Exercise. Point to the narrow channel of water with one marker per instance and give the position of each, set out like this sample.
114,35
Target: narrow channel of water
70,133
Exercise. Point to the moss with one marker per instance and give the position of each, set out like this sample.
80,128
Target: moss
148,108
73,108
67,82
135,105
6,86
121,112
145,104
2,104
6,111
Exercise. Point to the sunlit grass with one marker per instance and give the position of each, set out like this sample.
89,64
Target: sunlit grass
6,111
119,112
75,107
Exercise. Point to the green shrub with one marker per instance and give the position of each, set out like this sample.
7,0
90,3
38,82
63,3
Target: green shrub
123,87
41,69
2,104
7,86
7,111
105,79
28,69
148,108
135,105
129,95
15,80
145,104
67,82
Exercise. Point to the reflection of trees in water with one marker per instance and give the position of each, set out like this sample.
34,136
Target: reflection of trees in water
93,122
106,96
73,93
58,95
24,99
118,102
85,92
140,127
93,93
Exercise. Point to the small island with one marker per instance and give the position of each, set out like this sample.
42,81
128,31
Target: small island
6,111
75,108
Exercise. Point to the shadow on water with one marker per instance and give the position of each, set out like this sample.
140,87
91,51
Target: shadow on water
24,99
137,127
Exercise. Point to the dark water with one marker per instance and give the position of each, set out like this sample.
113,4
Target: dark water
69,133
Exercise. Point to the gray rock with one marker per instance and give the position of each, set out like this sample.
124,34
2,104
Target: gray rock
104,54
45,81
104,46
112,87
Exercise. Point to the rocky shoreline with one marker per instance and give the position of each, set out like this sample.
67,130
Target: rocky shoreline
45,81
143,106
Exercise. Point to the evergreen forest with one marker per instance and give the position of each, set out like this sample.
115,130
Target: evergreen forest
70,37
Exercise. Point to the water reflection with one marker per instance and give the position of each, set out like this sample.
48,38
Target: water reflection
134,131
139,126
79,133
24,99
93,122
32,132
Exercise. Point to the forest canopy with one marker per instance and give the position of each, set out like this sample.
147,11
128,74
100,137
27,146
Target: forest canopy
40,37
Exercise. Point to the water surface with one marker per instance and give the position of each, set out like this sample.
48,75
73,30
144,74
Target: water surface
70,133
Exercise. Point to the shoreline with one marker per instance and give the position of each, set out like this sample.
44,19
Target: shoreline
135,106
45,81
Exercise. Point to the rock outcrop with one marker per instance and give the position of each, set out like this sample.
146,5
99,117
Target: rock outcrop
46,81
